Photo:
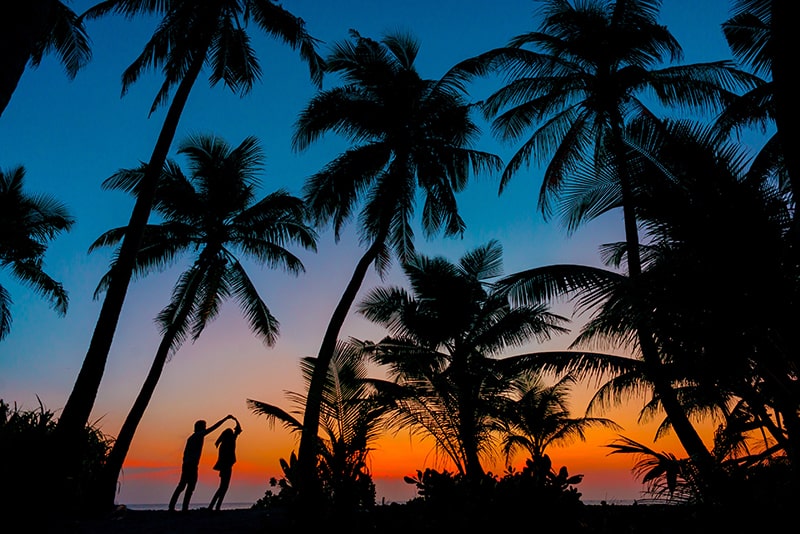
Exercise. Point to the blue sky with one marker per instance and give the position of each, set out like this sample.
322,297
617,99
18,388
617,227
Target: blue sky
71,135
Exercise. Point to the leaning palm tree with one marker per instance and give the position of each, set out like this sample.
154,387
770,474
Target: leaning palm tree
443,352
32,29
350,423
190,35
537,416
27,223
590,67
213,215
408,133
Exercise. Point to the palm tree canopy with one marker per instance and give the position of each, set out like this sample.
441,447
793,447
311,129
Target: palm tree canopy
346,400
214,214
444,339
748,34
33,29
190,28
66,37
590,67
538,416
27,224
407,132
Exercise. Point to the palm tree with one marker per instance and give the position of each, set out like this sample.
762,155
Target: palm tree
442,352
27,224
28,31
761,36
350,422
191,34
407,133
585,78
538,416
212,214
718,206
700,206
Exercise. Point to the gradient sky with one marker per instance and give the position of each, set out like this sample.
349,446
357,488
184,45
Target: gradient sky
71,135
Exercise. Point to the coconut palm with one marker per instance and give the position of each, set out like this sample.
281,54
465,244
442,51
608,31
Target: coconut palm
27,223
213,215
538,416
443,352
591,65
350,423
717,206
699,205
407,133
32,29
760,35
190,35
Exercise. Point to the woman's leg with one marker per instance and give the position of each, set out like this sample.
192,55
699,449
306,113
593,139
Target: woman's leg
224,482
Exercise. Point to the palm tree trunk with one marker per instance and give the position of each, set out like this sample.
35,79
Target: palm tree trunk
21,25
78,408
107,488
687,434
308,490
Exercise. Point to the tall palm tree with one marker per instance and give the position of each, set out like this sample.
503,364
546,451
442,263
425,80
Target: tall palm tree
27,223
538,416
213,215
28,31
590,66
190,35
719,206
350,421
700,206
408,133
443,351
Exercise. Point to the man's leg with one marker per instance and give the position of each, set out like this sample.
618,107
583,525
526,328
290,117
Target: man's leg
190,485
175,494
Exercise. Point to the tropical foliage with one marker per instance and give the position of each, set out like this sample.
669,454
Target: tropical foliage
214,214
447,379
695,310
349,423
25,439
410,136
27,224
33,29
191,34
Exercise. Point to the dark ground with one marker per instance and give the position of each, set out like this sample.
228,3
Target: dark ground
600,519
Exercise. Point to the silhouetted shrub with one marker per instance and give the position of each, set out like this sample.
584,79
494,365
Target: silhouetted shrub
28,487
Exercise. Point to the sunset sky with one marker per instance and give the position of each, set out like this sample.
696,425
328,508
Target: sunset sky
71,135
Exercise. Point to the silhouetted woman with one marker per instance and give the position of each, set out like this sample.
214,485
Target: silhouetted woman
226,443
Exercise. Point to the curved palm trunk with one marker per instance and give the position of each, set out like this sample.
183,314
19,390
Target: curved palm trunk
76,412
21,25
107,487
308,488
685,431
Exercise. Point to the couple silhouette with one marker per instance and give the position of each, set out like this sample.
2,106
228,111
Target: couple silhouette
226,457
